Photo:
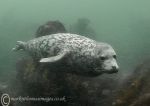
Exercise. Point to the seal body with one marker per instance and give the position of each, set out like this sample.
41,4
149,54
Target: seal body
85,56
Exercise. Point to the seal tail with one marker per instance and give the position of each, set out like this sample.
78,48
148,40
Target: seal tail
19,46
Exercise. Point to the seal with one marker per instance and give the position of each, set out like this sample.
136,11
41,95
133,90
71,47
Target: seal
83,55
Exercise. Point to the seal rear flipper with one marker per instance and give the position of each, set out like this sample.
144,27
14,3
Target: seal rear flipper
19,46
58,57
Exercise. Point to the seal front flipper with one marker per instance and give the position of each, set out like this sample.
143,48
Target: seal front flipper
58,57
19,46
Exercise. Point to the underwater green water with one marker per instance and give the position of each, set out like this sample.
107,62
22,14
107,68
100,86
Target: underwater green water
125,24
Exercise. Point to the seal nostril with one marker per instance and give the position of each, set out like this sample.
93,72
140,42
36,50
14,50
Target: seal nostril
114,68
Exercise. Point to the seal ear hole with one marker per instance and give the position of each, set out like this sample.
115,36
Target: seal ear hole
103,58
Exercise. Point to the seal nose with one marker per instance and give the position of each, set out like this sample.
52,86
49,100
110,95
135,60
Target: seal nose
115,68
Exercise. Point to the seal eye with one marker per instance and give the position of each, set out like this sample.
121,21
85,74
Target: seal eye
103,58
114,56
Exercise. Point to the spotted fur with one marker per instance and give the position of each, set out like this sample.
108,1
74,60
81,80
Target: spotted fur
80,53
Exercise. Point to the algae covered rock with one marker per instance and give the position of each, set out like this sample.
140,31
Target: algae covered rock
136,88
51,27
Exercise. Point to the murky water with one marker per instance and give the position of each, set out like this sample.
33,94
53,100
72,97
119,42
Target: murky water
123,24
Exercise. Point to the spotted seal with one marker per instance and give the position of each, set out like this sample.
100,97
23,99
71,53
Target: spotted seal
84,55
